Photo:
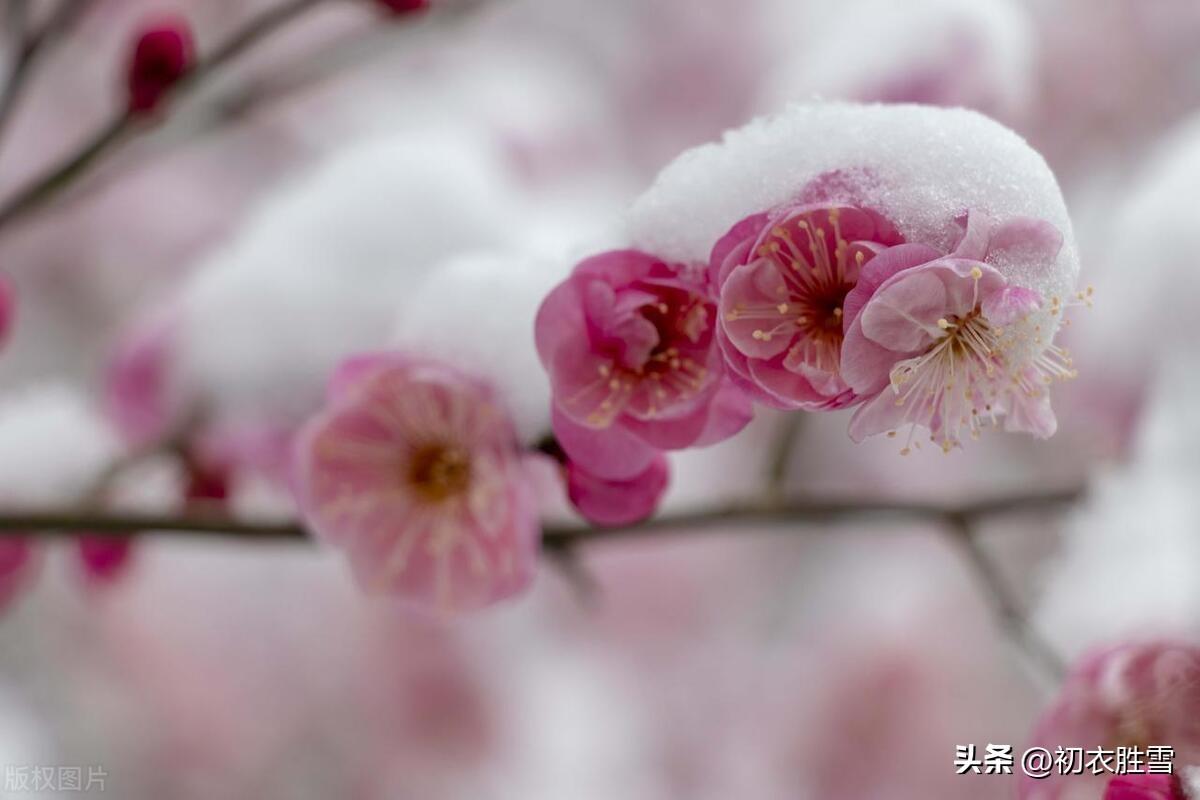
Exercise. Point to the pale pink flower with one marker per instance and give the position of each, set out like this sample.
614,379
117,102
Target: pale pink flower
947,343
138,393
1145,787
1132,695
617,502
782,277
628,343
414,470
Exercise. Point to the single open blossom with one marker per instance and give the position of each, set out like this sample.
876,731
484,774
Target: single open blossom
1133,695
1145,787
162,55
628,342
104,558
414,470
617,502
948,342
782,277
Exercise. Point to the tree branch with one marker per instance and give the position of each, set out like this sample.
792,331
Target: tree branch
773,513
111,134
1006,606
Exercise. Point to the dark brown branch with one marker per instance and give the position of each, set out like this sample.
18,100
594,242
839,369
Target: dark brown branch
32,44
59,176
767,513
1006,605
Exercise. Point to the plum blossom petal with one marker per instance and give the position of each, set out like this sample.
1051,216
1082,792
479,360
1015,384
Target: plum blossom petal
1145,787
628,342
623,502
782,278
1135,695
415,472
612,454
946,345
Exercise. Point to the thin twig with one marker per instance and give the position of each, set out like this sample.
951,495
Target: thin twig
59,176
31,45
783,514
1005,602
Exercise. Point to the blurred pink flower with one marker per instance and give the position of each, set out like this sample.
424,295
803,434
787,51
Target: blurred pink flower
1144,787
414,470
404,6
782,277
137,390
8,307
1133,695
948,342
617,502
104,558
628,342
161,56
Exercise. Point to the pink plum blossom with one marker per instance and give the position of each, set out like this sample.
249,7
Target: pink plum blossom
161,56
1131,695
628,342
947,342
414,470
1144,787
617,502
783,277
138,394
104,559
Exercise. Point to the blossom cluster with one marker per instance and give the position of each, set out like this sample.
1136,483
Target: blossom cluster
810,305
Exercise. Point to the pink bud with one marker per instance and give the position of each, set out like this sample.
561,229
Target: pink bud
404,6
617,502
1144,787
162,55
104,558
7,307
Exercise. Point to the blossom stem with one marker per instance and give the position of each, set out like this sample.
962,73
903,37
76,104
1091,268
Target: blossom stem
126,122
1006,605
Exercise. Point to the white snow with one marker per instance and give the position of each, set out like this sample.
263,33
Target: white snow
921,166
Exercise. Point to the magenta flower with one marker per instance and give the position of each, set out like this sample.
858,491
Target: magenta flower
948,343
7,309
104,558
782,277
628,342
414,470
1133,695
402,7
161,57
1145,787
617,502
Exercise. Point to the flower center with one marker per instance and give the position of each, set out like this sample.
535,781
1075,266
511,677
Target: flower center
816,277
438,472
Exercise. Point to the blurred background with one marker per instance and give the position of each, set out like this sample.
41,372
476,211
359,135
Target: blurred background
359,180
